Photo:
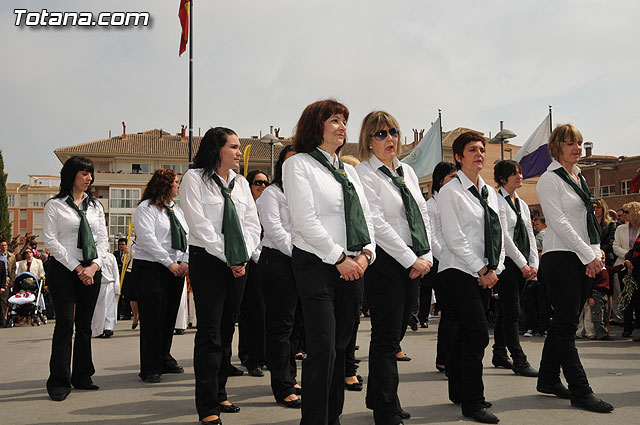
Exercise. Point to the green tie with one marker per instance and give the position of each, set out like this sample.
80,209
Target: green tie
520,236
178,235
356,225
593,227
85,237
492,229
419,239
235,248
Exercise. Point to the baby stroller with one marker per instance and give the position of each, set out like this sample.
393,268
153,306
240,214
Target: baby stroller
27,300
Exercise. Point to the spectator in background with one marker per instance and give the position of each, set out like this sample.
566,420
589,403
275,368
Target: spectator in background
9,261
623,241
622,217
614,216
607,231
31,264
630,232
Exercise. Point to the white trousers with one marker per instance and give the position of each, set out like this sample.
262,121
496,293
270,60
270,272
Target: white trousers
106,311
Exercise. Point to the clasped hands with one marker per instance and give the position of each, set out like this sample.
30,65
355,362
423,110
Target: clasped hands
179,269
85,274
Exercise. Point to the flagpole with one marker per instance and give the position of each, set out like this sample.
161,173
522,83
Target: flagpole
550,120
190,81
440,121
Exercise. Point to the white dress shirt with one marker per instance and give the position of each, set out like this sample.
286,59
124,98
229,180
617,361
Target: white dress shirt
566,216
153,234
60,228
436,240
388,212
462,219
203,206
316,206
273,211
508,220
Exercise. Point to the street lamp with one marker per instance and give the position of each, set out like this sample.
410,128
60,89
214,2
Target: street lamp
272,141
502,135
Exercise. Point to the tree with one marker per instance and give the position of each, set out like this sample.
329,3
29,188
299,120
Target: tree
5,224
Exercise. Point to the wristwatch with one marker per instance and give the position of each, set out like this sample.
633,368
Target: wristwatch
366,254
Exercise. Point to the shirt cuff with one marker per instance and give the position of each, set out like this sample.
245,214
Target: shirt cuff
166,262
407,259
334,255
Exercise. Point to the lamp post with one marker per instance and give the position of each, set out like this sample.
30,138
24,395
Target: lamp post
502,135
272,141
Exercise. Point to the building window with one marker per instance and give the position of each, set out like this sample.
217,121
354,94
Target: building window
625,187
141,168
178,168
11,200
123,198
23,201
38,200
609,190
119,224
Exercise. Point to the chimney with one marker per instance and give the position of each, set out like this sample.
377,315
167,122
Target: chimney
421,134
270,129
182,132
124,130
109,134
588,149
161,133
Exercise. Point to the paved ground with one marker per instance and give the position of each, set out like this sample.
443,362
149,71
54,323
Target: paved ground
613,369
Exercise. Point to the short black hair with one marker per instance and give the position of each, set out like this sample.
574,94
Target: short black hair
442,170
505,169
122,240
463,140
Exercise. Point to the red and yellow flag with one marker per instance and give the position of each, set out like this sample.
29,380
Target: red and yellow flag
183,14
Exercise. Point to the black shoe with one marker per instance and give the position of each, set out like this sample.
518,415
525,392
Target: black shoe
179,331
404,358
356,361
154,378
607,338
525,369
234,371
59,396
556,389
356,348
413,326
173,369
300,356
359,378
424,325
482,415
298,390
626,334
213,422
441,368
134,325
356,386
291,404
108,333
257,372
502,361
229,408
592,403
91,387
404,414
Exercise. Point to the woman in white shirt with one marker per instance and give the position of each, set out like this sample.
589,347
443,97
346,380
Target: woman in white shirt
76,236
520,265
160,263
470,260
333,244
570,260
442,174
279,286
403,253
224,230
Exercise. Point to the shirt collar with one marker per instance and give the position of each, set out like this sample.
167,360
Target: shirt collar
376,163
555,165
232,175
467,183
333,160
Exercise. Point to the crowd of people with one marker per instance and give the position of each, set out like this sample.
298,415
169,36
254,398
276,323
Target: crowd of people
292,260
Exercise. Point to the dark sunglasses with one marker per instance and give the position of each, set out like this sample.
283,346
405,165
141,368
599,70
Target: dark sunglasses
382,134
261,183
625,211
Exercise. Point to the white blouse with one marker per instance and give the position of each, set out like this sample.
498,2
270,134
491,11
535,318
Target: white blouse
388,212
316,207
203,206
60,227
566,216
436,240
273,211
462,219
153,234
508,220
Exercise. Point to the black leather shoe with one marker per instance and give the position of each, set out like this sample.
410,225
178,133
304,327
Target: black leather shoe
257,372
179,331
404,414
173,369
298,391
482,415
357,386
91,387
213,422
154,378
59,396
108,333
229,408
291,404
359,378
502,361
592,403
234,371
555,389
525,369
403,359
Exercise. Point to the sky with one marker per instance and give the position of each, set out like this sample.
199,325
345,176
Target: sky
259,63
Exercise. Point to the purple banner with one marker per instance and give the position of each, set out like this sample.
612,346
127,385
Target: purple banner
536,162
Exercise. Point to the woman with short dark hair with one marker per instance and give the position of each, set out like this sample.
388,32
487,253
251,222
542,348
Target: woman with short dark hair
75,234
160,263
224,231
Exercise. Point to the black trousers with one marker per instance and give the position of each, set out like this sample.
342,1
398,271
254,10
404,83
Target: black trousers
536,306
74,304
426,285
281,299
159,293
391,295
330,308
569,288
251,321
217,295
448,326
465,367
350,363
506,328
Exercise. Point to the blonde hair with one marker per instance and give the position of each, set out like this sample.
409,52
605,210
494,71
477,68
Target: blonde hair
606,219
633,216
563,133
350,159
373,122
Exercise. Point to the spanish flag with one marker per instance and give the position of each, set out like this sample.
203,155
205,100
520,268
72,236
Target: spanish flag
183,14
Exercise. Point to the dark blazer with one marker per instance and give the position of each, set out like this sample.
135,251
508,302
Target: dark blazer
607,235
3,276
